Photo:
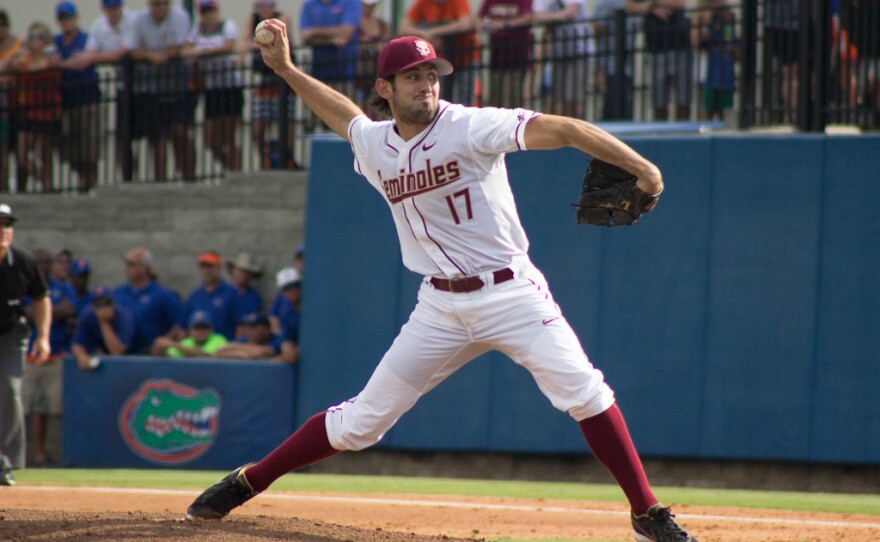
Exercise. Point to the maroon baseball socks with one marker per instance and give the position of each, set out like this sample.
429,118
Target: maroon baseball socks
612,446
309,444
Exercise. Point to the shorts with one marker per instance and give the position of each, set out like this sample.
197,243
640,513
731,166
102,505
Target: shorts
672,70
41,388
39,126
782,44
80,128
717,100
267,103
154,114
223,102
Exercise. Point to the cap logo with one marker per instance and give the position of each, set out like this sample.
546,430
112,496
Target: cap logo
422,48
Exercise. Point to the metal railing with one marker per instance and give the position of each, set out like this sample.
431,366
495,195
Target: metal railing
758,63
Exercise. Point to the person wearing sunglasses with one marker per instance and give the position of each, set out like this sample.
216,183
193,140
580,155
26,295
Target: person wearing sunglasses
10,44
102,328
36,92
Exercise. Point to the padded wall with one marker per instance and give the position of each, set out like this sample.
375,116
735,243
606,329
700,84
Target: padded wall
739,320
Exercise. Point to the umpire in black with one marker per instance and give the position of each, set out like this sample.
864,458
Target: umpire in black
19,277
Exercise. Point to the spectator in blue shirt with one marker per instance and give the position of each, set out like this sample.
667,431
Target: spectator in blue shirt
155,309
331,28
215,296
102,328
258,341
41,382
79,100
285,312
79,280
243,270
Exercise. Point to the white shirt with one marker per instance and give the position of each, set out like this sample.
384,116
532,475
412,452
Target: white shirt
104,37
219,71
447,187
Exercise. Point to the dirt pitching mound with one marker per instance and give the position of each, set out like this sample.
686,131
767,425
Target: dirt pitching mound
36,525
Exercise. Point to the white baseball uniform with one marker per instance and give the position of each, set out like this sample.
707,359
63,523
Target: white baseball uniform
455,216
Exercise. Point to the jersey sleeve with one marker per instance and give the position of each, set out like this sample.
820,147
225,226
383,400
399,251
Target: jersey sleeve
494,130
362,131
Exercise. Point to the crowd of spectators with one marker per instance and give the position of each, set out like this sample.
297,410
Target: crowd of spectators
544,54
218,319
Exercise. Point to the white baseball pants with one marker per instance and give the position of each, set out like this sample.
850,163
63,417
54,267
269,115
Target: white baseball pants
446,330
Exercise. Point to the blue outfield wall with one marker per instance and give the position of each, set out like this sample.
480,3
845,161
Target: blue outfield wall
739,320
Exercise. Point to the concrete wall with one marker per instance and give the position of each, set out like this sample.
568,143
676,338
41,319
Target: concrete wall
262,213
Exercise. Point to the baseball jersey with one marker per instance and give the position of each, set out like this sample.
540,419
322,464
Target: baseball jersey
447,187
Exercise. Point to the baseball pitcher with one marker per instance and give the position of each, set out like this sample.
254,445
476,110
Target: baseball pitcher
440,167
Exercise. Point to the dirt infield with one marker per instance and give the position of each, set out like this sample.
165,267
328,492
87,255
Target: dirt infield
73,514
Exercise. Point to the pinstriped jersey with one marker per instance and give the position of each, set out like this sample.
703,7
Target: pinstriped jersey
447,188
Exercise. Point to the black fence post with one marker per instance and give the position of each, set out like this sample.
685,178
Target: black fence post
748,85
283,149
124,118
822,74
622,94
804,63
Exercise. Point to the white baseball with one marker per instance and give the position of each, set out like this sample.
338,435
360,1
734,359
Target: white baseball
263,35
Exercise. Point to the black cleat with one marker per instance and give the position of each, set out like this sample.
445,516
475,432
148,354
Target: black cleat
657,525
6,478
218,500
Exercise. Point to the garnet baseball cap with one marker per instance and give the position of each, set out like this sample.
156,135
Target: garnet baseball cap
408,52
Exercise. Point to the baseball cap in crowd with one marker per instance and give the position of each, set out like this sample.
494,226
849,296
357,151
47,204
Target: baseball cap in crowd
286,278
408,52
101,296
207,4
65,9
6,212
141,256
111,3
256,319
209,258
246,262
79,267
200,318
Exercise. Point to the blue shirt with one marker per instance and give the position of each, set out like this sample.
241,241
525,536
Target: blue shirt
155,311
88,330
274,342
81,303
287,316
220,304
78,87
248,302
59,333
331,63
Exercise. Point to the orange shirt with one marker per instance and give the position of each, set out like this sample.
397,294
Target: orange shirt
433,12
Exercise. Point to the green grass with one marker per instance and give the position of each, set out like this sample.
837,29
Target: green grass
177,479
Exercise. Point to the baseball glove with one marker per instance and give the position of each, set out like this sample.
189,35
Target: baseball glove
610,197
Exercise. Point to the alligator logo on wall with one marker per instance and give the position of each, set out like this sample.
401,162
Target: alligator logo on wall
169,423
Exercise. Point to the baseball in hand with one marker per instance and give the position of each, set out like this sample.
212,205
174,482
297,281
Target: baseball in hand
263,35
